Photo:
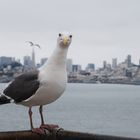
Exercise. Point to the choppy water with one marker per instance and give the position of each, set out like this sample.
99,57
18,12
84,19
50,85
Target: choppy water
96,108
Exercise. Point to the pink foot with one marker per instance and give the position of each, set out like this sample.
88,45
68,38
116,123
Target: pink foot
38,131
49,126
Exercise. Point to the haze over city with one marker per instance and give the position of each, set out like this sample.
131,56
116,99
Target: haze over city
101,30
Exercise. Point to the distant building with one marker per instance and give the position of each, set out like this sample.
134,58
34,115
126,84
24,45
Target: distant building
104,64
27,61
108,67
76,68
90,67
43,60
6,60
128,61
114,63
69,65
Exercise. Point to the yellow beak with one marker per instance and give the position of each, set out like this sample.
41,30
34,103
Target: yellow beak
65,40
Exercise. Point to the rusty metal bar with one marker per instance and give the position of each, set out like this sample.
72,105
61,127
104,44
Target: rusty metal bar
58,134
71,135
21,135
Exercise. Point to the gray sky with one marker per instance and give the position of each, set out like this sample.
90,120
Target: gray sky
102,29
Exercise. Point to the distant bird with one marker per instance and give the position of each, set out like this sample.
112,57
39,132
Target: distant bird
32,44
43,86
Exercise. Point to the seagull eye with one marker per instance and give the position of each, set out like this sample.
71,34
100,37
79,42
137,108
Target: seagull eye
70,36
60,35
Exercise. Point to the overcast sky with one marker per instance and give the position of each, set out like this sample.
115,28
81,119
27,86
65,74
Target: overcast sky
102,29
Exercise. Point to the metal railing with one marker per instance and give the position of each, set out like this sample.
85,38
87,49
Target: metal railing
58,134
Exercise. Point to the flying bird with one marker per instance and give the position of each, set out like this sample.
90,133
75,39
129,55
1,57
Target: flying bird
43,86
32,44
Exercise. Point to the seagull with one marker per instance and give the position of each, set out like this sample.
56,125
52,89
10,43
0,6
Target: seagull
43,86
32,44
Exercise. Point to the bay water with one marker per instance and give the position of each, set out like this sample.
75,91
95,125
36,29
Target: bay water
95,108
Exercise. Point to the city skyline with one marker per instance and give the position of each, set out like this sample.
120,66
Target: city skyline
125,72
27,60
101,30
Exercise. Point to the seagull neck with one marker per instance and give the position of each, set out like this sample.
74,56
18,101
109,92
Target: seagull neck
58,57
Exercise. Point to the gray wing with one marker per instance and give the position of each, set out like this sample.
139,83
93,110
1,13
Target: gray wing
37,46
31,43
23,87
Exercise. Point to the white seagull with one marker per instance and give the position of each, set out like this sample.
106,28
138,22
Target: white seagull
43,86
32,44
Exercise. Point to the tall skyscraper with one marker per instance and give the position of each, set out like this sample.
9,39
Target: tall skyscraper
128,60
114,63
104,64
69,65
33,58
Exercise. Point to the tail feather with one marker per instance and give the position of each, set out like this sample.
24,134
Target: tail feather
4,100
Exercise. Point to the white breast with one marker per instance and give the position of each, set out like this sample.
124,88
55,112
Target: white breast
51,88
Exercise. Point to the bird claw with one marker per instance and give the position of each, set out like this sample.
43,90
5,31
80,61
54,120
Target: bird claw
40,131
49,127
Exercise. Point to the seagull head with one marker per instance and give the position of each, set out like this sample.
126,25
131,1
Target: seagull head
64,39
